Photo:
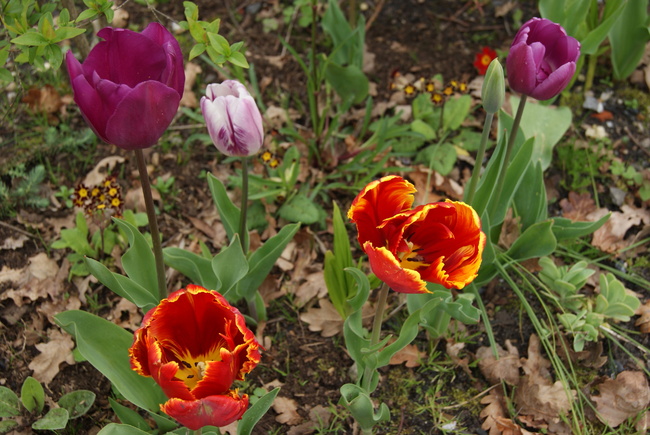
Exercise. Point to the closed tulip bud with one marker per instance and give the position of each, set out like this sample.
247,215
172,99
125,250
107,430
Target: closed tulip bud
542,59
494,88
233,119
130,86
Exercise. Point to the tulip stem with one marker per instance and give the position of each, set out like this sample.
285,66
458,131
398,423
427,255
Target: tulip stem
376,329
153,224
511,144
243,233
473,182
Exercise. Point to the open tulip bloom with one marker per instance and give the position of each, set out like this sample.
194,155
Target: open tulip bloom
233,119
130,86
441,242
195,345
542,59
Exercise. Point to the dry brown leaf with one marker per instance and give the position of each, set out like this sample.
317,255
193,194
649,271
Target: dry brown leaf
312,287
13,243
545,402
287,410
577,206
410,355
591,356
189,97
131,320
120,18
38,279
319,416
536,366
453,350
43,100
643,322
58,349
621,398
505,368
325,319
643,425
509,230
611,236
102,169
495,410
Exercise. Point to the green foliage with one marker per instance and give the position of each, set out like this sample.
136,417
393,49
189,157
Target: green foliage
96,245
26,190
207,38
340,285
584,315
32,398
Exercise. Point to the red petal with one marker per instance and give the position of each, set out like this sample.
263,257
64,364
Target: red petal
387,268
379,200
219,411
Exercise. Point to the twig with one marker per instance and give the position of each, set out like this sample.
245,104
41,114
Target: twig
375,14
18,230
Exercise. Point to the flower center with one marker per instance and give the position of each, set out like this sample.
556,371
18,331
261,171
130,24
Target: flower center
485,59
412,259
191,370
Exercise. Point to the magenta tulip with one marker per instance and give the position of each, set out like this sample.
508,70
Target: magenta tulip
130,86
233,119
542,59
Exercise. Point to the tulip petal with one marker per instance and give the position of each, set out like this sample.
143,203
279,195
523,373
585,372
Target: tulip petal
387,268
217,410
521,69
555,82
379,200
218,376
247,125
174,73
564,50
142,116
126,57
91,105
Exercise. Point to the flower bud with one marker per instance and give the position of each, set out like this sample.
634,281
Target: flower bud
233,119
494,87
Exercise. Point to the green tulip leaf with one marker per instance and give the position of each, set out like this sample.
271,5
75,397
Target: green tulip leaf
128,415
628,37
537,241
105,345
230,266
228,211
121,429
530,197
349,82
256,412
565,229
138,261
197,268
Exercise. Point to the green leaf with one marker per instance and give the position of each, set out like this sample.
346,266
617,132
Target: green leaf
456,110
564,228
340,285
262,260
537,241
349,82
9,403
300,209
32,395
361,406
219,43
138,261
121,429
7,425
128,415
256,412
614,301
197,50
88,14
31,39
77,403
56,418
530,197
228,211
238,58
197,268
122,285
423,128
535,124
628,37
105,345
441,158
590,43
63,33
230,266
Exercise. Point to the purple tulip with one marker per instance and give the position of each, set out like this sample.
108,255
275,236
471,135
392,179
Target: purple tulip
542,59
233,119
129,87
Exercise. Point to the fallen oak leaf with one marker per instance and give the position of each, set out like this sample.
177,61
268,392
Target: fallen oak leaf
58,349
287,410
643,322
622,398
611,236
505,368
409,354
325,319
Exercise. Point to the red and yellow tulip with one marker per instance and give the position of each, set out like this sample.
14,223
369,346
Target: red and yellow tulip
195,345
441,242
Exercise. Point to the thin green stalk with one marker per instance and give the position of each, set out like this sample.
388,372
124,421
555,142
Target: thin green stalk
376,329
591,71
153,224
243,233
486,320
506,160
476,172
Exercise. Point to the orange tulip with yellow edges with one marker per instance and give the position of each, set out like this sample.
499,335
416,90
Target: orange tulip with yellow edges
195,345
441,242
